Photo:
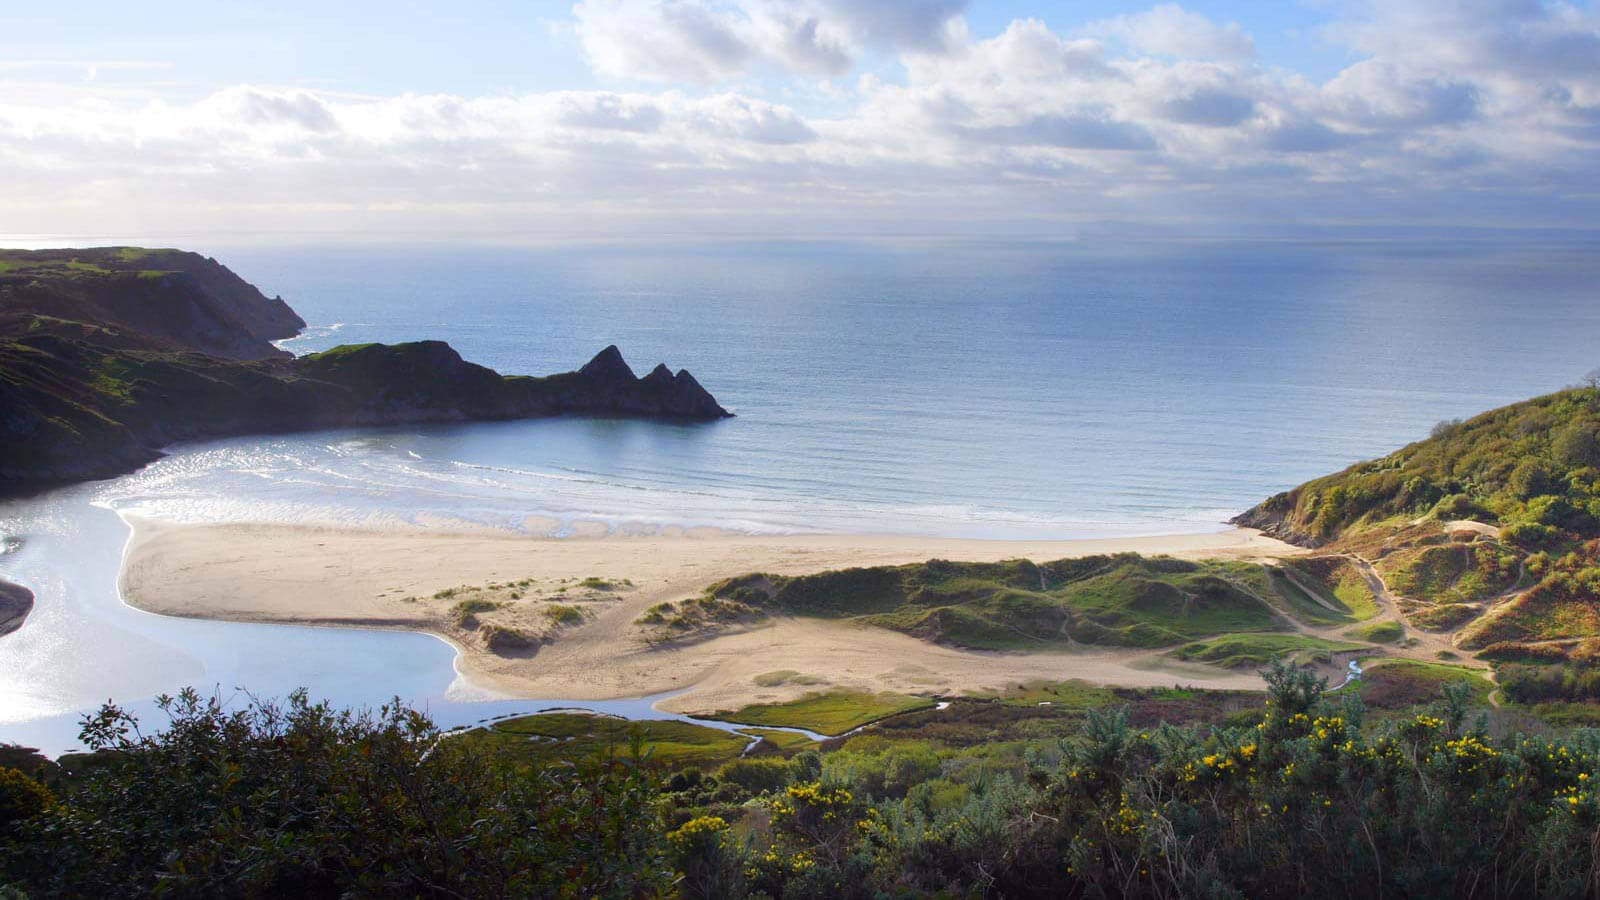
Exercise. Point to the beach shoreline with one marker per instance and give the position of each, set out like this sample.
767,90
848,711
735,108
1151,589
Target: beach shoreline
306,575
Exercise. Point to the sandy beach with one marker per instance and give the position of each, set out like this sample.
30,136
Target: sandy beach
389,579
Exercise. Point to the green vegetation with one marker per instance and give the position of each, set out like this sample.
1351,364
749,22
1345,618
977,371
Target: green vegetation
1122,600
831,712
786,676
1532,684
1273,796
465,610
1074,694
1532,463
1403,683
786,742
1237,651
1453,572
604,584
1345,588
1379,632
696,616
305,801
505,639
561,614
1532,469
553,737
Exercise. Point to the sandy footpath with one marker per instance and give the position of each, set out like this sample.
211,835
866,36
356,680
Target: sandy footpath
274,573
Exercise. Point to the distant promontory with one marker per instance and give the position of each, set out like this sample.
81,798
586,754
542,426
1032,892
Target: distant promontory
109,354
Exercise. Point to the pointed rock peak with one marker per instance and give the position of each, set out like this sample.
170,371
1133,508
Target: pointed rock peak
607,364
660,373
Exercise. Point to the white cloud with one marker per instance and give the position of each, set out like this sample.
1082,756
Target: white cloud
663,40
1493,113
1171,30
709,41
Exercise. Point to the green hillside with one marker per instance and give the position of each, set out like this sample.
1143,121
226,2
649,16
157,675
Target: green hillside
1125,600
1489,528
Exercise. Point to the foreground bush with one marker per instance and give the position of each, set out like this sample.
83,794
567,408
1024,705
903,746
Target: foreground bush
1307,802
304,801
1304,797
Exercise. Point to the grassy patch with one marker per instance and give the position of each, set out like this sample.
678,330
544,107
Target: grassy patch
833,712
466,609
561,614
1440,616
505,639
604,584
1397,683
551,737
1235,651
1075,694
1342,586
786,676
787,742
1378,632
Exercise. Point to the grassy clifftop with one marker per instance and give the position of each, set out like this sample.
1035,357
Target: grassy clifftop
174,299
1533,466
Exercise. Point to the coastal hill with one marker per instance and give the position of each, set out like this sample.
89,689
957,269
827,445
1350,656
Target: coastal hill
1488,530
108,355
175,299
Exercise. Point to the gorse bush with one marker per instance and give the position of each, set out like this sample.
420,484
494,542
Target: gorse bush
1308,801
304,801
1304,797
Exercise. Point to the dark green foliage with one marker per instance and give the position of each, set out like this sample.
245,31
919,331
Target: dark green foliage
303,801
21,798
1532,684
1310,800
1487,468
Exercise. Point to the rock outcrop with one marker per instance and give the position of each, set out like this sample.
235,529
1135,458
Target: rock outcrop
89,399
16,602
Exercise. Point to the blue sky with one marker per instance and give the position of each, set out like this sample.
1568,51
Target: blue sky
367,46
811,115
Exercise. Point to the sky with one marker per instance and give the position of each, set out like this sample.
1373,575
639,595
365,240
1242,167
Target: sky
494,118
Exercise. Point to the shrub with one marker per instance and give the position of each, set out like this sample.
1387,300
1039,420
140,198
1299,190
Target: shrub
756,776
21,798
302,800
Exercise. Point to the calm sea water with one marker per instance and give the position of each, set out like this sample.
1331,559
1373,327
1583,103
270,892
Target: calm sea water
1003,390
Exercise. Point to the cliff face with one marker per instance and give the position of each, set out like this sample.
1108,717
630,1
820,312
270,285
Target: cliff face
89,399
179,300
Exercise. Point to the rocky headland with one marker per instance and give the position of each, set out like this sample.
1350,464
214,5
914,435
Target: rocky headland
16,602
108,355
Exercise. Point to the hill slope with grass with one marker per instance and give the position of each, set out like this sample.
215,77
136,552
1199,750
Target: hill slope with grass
1488,530
1124,600
108,355
175,299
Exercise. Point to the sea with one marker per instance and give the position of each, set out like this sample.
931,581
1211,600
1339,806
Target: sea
1003,389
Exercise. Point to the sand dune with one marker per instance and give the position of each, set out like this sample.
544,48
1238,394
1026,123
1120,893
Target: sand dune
274,573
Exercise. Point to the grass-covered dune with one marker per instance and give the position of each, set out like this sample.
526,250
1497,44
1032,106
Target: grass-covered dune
1123,600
